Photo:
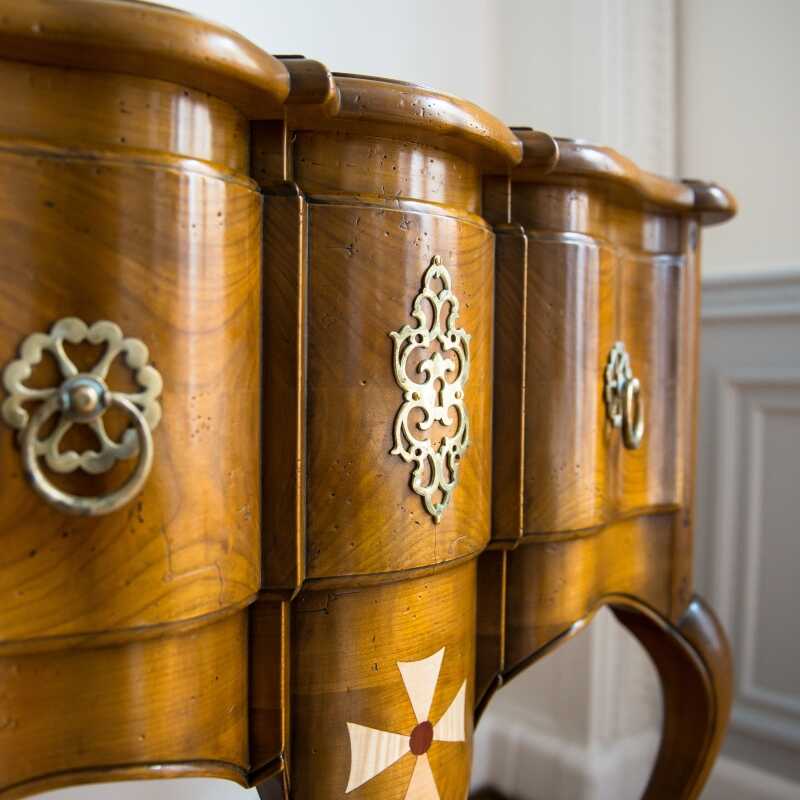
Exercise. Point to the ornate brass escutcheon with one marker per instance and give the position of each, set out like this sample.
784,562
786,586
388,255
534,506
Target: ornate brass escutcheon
443,373
83,398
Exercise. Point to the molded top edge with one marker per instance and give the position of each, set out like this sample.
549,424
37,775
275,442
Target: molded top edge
430,115
148,40
578,158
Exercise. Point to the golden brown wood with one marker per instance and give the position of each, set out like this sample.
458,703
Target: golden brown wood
397,110
611,255
284,398
122,707
159,640
118,239
362,517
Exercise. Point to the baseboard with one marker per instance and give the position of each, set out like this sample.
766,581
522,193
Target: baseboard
736,780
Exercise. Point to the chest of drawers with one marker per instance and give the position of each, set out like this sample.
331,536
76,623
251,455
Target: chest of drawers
330,403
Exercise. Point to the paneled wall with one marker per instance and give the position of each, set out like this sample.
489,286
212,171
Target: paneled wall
747,509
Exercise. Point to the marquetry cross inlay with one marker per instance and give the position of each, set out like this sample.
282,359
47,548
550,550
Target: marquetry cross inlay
372,751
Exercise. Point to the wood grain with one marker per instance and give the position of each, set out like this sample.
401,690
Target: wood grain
693,659
126,249
361,196
402,111
362,515
81,714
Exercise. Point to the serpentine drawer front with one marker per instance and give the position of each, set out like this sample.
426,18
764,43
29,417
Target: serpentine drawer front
329,403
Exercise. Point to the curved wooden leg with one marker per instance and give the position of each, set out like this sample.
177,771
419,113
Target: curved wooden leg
694,663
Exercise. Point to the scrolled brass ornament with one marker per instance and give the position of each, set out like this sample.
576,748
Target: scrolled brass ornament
436,391
83,398
624,406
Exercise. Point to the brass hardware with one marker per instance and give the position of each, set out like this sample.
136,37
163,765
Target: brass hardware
435,470
624,406
83,398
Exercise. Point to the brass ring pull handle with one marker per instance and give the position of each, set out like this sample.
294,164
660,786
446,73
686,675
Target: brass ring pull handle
624,406
633,416
83,398
74,504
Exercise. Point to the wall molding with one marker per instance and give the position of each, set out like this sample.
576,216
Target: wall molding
746,397
758,295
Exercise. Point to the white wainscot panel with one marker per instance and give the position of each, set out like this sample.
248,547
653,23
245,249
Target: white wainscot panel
748,517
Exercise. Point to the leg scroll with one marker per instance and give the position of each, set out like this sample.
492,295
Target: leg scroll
694,664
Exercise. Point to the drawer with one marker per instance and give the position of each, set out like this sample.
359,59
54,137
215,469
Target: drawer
651,327
569,479
170,257
367,268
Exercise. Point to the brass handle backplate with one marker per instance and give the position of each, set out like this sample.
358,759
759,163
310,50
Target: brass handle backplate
83,398
624,405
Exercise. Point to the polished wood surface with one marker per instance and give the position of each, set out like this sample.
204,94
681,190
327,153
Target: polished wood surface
345,670
127,250
361,518
168,701
389,109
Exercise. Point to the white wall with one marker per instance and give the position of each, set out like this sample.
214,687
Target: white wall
739,121
446,44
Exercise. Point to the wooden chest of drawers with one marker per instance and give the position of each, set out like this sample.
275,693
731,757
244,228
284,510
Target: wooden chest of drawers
330,402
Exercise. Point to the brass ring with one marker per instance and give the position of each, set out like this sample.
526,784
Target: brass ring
74,504
633,415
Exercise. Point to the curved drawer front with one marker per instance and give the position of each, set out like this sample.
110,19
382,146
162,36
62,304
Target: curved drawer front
597,282
101,241
569,450
172,257
652,295
153,706
601,279
370,267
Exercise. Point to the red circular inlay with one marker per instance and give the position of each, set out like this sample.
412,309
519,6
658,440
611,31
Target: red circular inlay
421,738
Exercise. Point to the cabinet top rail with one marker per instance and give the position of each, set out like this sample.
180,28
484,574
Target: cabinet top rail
147,40
384,107
581,160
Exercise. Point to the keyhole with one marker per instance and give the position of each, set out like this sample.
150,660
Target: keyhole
438,386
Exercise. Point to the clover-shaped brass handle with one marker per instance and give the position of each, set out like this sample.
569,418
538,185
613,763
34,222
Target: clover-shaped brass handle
83,398
624,406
